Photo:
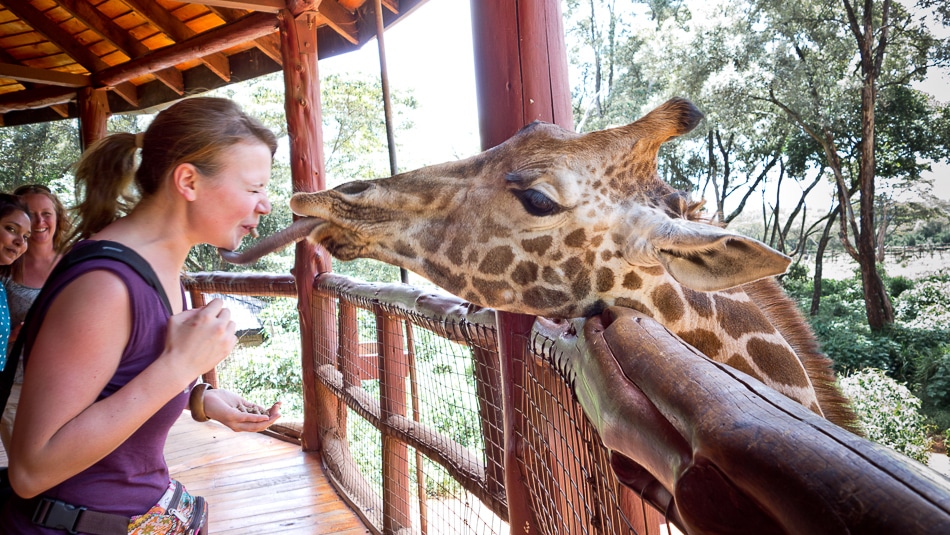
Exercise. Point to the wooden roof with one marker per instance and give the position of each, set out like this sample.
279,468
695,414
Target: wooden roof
150,52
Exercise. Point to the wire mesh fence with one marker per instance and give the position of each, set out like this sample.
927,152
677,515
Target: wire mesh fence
412,415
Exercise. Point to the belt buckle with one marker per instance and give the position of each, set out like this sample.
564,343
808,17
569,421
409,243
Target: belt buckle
57,514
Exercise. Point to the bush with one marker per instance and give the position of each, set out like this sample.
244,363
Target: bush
889,413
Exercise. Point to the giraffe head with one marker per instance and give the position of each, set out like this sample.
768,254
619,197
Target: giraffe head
550,222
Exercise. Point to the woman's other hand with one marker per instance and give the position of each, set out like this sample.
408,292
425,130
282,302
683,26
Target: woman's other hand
237,413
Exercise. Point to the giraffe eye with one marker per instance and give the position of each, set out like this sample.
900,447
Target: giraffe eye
537,203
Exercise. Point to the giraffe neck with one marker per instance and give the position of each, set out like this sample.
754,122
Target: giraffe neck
728,327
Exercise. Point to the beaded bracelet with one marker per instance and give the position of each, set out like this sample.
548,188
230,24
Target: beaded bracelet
196,402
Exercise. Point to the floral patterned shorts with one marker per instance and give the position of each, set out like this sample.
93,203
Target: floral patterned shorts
176,513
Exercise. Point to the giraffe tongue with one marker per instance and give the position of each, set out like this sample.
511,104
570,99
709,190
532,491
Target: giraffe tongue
298,230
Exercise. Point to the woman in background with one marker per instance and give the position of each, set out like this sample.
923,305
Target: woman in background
14,232
50,225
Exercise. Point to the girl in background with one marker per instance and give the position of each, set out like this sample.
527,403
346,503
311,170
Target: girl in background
50,225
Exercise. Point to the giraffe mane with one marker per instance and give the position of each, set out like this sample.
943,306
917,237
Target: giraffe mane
782,312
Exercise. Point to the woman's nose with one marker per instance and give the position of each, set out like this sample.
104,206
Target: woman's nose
264,206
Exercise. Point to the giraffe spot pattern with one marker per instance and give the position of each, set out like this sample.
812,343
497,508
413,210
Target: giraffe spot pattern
537,246
550,276
525,273
739,363
581,285
493,291
497,260
668,303
632,281
443,276
576,239
404,249
596,240
540,297
699,302
627,302
572,267
782,364
605,279
455,252
706,341
738,318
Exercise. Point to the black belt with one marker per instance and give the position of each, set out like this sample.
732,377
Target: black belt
61,515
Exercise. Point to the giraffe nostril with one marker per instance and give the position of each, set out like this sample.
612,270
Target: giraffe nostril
352,188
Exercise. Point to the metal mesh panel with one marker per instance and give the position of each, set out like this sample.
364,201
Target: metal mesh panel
565,467
414,418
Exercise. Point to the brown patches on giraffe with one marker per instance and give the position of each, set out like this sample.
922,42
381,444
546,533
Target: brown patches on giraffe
551,276
635,304
496,261
538,246
404,249
578,238
493,291
706,341
525,273
540,297
782,364
632,281
666,301
738,362
605,279
738,318
700,302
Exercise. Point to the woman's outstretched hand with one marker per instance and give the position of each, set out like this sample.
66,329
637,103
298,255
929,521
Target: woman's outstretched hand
237,413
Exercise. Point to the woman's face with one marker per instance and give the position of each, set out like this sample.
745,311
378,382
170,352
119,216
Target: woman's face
237,196
14,231
42,216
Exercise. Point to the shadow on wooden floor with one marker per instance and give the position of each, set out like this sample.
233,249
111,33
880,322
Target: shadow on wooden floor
255,484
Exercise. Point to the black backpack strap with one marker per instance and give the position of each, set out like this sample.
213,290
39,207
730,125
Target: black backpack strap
80,253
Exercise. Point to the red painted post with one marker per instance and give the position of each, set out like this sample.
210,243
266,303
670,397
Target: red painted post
393,371
93,114
521,77
298,44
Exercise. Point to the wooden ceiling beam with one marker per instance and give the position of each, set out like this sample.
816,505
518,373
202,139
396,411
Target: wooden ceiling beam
22,73
340,19
267,6
179,32
118,36
269,44
54,34
215,40
40,97
67,43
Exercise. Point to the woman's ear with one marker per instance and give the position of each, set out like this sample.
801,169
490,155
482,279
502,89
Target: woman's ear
185,177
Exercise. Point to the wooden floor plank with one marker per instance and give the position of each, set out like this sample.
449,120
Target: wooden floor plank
254,484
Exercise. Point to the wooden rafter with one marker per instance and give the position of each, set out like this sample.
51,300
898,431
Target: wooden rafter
269,44
267,6
118,36
215,40
67,43
178,31
340,19
22,73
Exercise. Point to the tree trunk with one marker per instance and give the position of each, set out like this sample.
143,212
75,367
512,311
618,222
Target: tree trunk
819,258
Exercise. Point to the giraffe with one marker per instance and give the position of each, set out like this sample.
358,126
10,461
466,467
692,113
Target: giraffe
559,224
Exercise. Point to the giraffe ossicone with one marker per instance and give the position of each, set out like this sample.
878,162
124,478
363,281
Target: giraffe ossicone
560,224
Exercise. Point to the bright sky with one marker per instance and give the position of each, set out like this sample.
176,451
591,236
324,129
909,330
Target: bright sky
430,54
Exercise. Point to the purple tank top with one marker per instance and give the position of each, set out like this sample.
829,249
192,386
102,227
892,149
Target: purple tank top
133,477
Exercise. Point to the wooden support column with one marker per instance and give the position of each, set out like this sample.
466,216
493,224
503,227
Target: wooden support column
520,77
393,372
298,43
93,114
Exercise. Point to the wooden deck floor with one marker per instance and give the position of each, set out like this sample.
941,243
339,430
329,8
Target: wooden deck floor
255,484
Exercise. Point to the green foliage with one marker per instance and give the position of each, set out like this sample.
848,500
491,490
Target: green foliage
889,413
271,371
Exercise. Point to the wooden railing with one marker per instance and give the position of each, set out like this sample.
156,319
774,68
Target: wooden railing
609,425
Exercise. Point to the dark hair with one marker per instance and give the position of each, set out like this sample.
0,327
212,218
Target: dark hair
9,204
64,223
194,130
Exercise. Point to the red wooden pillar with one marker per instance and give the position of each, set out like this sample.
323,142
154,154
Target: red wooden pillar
393,371
93,114
521,77
298,43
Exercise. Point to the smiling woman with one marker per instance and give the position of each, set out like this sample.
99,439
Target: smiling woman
14,231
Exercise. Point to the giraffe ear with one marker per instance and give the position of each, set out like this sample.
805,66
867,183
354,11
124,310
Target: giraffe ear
707,258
